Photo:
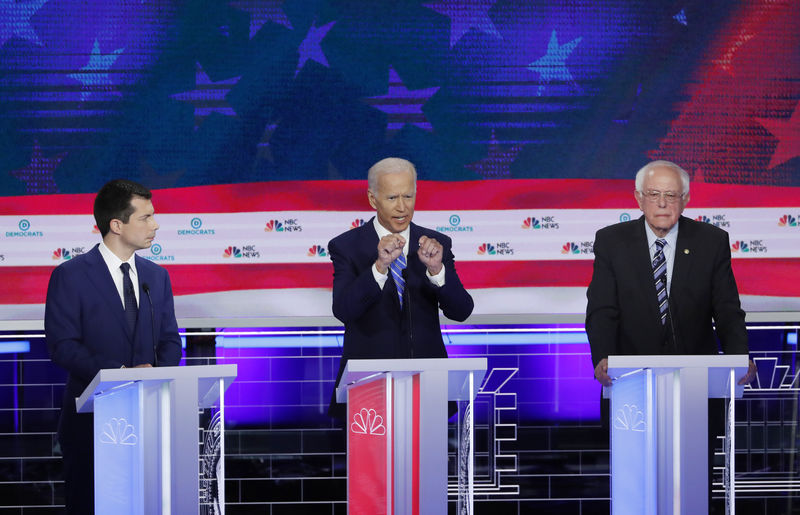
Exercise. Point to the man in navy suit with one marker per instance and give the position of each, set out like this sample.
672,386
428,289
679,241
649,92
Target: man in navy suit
391,277
98,315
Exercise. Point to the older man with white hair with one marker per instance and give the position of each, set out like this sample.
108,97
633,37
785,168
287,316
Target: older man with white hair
391,277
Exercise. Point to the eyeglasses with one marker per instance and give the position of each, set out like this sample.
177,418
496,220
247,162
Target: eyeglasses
670,197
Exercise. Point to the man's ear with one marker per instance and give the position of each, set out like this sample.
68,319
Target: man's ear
115,225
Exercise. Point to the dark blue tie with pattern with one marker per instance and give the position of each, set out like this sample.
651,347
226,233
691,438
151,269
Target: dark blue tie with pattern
397,267
660,277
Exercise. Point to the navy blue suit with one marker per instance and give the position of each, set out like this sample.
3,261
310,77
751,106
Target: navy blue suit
375,326
86,331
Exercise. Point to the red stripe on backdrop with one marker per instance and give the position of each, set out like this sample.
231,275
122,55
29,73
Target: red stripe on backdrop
432,195
754,277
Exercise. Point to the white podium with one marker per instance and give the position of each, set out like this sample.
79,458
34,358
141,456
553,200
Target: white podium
397,433
659,430
151,453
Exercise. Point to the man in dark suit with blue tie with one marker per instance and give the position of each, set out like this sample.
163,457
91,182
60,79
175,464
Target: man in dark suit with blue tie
636,308
661,284
391,277
108,308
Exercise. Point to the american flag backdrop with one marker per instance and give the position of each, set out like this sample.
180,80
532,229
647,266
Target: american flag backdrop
255,122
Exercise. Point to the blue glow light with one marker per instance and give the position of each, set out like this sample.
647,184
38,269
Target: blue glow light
791,338
12,347
293,341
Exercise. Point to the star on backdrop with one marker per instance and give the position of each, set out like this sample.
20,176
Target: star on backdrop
15,20
94,75
402,105
38,175
465,16
310,46
787,132
497,163
553,65
208,96
681,18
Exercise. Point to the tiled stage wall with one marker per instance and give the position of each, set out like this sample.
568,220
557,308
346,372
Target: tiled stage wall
539,442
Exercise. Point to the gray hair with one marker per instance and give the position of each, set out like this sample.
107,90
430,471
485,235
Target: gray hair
389,165
649,167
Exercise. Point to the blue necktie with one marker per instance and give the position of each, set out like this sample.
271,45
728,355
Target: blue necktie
131,308
397,267
660,277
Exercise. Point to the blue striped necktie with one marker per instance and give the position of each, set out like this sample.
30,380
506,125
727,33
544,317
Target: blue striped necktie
131,308
397,267
660,277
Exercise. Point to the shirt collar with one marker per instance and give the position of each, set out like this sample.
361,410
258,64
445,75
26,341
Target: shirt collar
671,237
112,261
383,231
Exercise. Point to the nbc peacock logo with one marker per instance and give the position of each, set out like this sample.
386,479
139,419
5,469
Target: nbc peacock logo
317,251
787,221
61,254
232,252
358,222
704,219
570,248
740,246
273,226
531,223
487,249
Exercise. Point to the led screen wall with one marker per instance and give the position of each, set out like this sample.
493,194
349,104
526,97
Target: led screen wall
255,122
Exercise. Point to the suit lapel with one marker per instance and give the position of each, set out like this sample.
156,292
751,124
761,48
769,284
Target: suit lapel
644,271
143,321
682,264
101,281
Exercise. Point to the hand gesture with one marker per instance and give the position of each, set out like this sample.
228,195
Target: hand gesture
389,248
430,253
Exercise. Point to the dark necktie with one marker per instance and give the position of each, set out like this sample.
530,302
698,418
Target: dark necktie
131,308
660,277
397,267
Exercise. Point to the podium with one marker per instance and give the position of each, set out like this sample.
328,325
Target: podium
659,430
397,432
151,454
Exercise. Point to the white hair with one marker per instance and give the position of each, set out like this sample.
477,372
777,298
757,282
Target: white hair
389,165
649,167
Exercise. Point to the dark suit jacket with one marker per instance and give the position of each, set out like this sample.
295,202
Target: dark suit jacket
86,331
374,324
622,312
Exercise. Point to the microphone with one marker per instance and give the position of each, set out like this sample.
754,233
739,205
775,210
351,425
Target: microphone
672,323
146,289
407,302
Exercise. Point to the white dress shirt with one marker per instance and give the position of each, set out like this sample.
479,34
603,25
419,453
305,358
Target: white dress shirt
669,249
113,263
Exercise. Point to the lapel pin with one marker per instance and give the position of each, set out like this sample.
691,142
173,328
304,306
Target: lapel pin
685,251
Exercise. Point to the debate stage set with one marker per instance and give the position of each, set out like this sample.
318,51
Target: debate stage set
254,123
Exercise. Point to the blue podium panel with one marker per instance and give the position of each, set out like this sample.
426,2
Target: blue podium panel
159,439
118,451
633,439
